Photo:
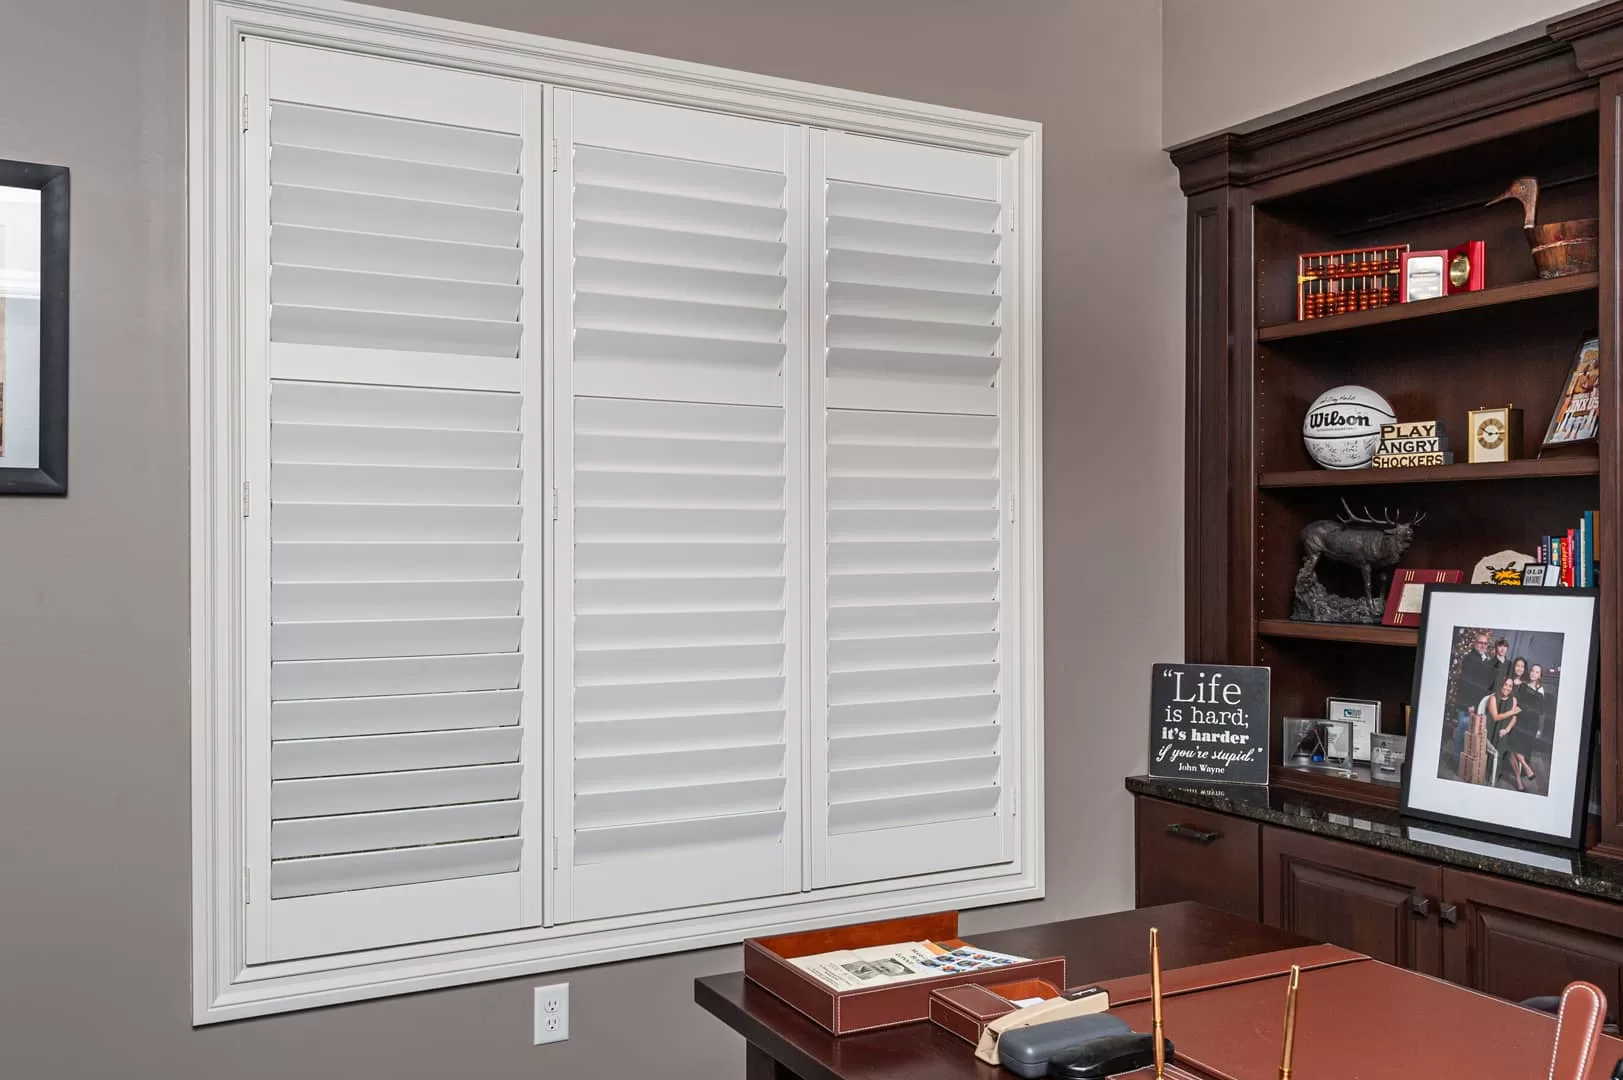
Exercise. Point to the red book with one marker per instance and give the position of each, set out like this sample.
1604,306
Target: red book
1567,564
1408,591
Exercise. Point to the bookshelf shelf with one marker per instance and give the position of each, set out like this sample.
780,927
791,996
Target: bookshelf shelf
1518,293
1524,469
1344,632
1352,788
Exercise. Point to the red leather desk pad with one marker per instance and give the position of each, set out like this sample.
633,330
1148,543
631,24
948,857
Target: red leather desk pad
1363,1020
1125,991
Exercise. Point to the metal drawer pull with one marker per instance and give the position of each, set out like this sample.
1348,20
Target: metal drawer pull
1189,832
1449,913
1419,906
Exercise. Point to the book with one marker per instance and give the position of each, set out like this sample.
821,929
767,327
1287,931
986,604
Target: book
1409,461
1589,561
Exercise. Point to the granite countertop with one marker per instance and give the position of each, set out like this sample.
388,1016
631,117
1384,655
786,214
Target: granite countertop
1558,868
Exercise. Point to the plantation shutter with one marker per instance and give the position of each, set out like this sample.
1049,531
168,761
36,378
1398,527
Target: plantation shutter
679,293
392,379
909,248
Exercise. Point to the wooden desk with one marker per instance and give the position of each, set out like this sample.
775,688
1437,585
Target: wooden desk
783,1045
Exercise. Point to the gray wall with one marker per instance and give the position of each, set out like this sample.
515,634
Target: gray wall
1229,61
94,863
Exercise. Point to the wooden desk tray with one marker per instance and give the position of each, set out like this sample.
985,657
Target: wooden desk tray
844,1012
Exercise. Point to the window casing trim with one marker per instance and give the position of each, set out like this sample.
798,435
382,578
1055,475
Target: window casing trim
226,988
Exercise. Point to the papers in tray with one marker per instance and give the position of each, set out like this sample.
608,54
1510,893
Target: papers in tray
883,965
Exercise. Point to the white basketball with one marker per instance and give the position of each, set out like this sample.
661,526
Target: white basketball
1342,429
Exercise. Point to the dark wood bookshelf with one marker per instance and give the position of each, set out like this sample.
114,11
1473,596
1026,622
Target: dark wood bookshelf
1523,469
1346,632
1518,293
1415,164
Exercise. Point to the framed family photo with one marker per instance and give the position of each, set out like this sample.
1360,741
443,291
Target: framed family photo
33,329
1504,710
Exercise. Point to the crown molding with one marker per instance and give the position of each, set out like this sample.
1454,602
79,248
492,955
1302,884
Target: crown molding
1525,73
1595,36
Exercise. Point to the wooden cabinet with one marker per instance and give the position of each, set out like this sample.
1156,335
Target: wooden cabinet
1519,941
1187,854
1502,937
1371,901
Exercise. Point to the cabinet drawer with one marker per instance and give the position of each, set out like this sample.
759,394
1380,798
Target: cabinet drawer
1187,854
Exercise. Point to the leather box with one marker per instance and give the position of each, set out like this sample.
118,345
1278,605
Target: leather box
766,963
966,1010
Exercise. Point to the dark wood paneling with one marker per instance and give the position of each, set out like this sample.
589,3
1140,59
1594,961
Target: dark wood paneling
1187,854
1517,941
1206,447
1360,899
1610,539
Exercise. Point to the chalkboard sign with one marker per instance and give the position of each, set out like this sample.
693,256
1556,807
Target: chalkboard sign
1209,723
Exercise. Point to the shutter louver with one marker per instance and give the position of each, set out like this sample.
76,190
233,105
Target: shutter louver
397,503
912,762
683,298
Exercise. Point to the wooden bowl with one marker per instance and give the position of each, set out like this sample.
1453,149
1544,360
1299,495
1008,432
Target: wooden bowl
1560,258
1576,229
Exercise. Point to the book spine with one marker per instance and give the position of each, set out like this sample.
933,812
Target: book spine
1568,578
1590,562
1581,571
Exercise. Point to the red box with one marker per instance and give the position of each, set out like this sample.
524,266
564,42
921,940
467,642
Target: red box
1474,254
766,963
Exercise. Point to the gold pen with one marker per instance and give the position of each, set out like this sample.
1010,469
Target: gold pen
1290,1023
1155,1003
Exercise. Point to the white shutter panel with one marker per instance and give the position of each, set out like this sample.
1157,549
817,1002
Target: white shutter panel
679,295
910,736
388,209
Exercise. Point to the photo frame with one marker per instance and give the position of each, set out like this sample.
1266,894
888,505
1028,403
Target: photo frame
33,329
1314,744
1363,714
1503,719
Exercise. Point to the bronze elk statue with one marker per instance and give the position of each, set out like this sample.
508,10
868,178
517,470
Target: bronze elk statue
1364,541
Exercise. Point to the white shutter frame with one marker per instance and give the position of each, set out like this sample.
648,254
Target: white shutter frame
687,462
903,453
396,514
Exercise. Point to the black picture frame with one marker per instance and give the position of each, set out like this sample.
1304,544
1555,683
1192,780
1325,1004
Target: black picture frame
50,477
1573,838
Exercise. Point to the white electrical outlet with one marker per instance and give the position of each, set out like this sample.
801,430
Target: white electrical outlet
551,1013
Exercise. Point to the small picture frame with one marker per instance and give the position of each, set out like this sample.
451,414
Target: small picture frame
1425,275
33,329
1318,745
1386,757
1408,592
1363,715
1533,575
